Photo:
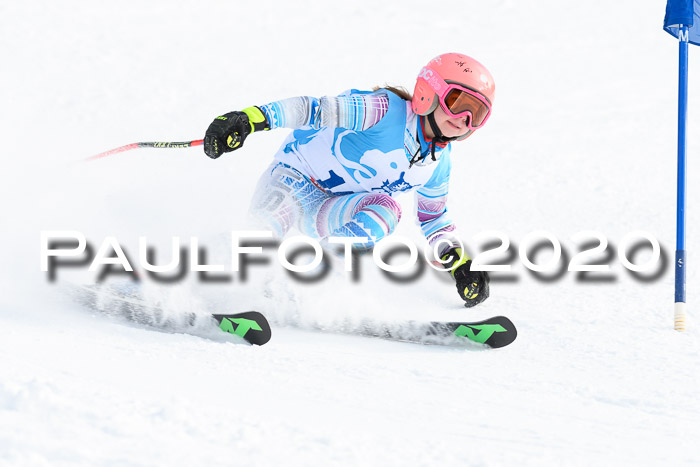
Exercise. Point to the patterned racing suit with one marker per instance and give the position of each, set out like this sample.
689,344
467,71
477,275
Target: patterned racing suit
337,172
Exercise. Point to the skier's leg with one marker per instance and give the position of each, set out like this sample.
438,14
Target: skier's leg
371,215
284,198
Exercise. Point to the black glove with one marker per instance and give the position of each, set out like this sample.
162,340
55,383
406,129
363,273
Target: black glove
228,132
472,286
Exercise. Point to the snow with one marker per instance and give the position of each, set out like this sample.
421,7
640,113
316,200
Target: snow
582,138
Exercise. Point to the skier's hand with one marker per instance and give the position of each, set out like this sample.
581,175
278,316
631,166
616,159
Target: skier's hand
228,132
472,286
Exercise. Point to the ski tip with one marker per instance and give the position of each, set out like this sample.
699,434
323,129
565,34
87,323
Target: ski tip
501,339
250,325
494,332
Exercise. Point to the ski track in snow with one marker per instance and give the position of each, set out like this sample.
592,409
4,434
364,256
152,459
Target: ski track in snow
582,138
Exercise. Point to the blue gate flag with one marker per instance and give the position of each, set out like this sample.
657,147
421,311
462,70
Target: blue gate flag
687,13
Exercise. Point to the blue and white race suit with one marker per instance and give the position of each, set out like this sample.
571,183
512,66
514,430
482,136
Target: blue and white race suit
336,173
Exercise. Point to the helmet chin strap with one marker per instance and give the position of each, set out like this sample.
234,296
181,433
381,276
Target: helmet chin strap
439,137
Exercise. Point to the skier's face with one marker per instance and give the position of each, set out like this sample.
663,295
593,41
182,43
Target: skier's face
451,127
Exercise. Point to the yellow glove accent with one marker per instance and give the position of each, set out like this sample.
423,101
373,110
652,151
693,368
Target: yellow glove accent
469,291
456,262
255,115
233,141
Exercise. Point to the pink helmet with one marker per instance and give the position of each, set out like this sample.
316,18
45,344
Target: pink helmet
453,68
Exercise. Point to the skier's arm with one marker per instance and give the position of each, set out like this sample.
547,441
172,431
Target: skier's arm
431,213
356,112
431,206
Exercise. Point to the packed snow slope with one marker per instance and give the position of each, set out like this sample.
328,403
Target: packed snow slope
582,137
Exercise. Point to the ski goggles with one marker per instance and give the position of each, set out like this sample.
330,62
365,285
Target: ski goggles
457,100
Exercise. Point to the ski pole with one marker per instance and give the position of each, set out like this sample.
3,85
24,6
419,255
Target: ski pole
129,147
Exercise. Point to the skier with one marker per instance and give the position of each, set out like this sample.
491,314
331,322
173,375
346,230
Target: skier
337,171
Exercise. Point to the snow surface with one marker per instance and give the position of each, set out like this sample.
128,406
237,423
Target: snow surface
582,138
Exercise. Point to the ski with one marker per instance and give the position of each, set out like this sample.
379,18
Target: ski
125,301
250,325
494,332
